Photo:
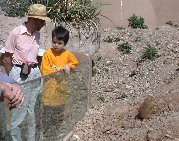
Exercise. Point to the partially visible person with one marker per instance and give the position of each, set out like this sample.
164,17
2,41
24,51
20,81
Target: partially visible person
56,59
11,90
20,62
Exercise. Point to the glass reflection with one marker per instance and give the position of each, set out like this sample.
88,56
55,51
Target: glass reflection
61,103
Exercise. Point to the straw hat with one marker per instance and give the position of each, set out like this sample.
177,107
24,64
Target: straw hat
38,11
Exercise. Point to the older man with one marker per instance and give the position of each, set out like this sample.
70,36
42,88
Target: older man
20,62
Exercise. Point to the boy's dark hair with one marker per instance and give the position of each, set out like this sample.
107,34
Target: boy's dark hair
61,33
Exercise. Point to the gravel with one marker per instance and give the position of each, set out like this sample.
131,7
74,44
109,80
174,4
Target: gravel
121,82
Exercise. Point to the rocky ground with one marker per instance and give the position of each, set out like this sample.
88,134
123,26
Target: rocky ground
125,88
118,98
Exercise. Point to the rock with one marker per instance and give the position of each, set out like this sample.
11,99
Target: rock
145,109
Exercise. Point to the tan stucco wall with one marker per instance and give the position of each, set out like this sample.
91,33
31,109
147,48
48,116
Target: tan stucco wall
155,12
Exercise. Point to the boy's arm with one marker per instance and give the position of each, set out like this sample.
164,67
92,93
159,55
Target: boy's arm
73,61
45,65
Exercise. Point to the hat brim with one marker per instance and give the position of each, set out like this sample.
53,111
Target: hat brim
40,17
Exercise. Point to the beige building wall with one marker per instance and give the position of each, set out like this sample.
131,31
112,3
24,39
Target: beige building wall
154,12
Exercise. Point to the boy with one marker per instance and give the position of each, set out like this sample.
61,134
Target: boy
55,59
58,58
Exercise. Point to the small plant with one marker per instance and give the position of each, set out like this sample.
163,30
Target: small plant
138,39
94,71
123,96
120,28
133,73
157,43
125,48
102,98
99,58
111,39
150,53
136,22
169,23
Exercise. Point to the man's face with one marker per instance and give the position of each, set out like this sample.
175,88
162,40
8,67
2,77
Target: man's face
58,45
39,24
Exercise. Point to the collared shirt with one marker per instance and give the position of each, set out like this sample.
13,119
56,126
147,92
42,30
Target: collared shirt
23,45
5,78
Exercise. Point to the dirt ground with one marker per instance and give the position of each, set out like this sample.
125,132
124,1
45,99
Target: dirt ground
143,107
155,12
132,100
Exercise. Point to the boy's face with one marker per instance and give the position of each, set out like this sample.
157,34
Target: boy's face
58,45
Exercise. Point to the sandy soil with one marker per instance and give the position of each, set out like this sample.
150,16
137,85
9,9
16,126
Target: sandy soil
143,107
155,12
120,96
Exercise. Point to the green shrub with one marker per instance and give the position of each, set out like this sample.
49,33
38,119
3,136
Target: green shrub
77,13
111,38
17,8
150,53
16,12
83,15
136,22
125,48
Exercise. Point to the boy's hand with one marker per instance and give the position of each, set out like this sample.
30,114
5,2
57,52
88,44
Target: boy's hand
66,69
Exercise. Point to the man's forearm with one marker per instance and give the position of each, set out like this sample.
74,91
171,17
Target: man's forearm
1,92
7,62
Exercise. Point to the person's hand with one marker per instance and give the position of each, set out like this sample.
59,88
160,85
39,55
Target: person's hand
17,96
66,69
6,90
13,93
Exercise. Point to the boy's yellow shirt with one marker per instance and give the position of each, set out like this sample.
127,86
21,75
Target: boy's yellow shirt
55,93
52,60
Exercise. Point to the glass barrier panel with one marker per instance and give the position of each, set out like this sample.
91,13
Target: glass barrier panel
61,101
